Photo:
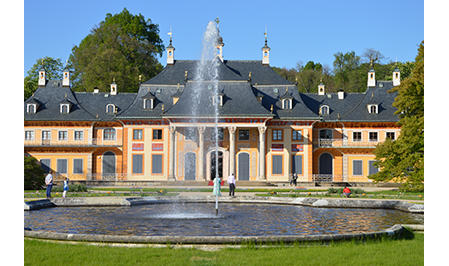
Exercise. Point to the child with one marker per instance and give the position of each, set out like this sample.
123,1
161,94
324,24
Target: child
66,187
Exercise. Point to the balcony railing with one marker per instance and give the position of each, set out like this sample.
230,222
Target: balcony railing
72,143
340,143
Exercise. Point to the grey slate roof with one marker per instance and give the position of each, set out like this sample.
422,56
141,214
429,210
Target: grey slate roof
354,105
229,70
239,98
95,103
50,98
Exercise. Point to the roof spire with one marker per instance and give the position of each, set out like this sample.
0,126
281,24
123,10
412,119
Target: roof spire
266,35
170,33
217,20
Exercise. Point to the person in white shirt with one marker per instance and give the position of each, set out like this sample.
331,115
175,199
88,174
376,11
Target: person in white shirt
231,182
49,183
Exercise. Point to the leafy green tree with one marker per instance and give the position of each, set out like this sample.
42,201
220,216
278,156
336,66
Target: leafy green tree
53,70
344,70
33,173
403,159
122,47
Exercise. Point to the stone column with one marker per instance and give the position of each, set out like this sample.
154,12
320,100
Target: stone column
89,167
232,150
262,131
172,158
201,153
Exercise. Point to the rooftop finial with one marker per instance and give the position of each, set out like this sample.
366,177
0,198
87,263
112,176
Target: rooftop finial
371,62
266,35
170,33
113,80
217,20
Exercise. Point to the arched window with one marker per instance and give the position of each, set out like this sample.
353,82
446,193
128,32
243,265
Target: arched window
324,110
64,109
287,104
147,104
31,108
110,108
372,108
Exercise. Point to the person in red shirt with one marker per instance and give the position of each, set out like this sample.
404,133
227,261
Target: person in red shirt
347,192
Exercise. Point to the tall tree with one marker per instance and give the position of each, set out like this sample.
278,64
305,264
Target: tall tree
403,159
122,47
53,70
344,66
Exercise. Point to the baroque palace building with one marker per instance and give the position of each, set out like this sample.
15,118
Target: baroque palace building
267,129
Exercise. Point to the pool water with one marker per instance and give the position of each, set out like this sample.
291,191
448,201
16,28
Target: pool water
199,219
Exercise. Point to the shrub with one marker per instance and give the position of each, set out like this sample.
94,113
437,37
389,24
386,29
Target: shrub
72,188
340,190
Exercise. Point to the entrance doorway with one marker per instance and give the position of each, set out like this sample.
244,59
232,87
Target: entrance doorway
326,164
108,164
213,165
190,166
243,160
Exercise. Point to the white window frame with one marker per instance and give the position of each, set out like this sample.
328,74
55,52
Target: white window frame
82,166
378,169
112,130
145,104
49,135
287,104
376,109
361,136
113,108
219,98
321,110
391,132
353,174
29,134
82,135
31,108
369,137
61,108
66,135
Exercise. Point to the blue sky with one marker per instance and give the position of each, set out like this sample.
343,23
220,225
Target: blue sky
297,30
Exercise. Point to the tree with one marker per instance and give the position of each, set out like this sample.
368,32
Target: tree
372,55
344,66
403,159
122,47
33,173
53,70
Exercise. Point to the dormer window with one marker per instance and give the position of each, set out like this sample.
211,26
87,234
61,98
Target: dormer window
111,109
287,104
64,108
31,108
324,110
372,108
148,104
217,100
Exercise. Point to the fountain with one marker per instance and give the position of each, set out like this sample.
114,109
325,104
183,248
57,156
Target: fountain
206,79
189,220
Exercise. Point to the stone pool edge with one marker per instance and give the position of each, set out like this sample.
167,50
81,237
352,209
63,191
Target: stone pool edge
311,202
390,232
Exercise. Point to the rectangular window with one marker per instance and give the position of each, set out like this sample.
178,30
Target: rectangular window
109,134
220,134
46,135
356,136
297,135
357,167
77,166
243,134
62,135
29,135
137,163
373,136
137,134
390,135
372,169
157,133
277,164
156,164
79,135
297,164
61,166
277,134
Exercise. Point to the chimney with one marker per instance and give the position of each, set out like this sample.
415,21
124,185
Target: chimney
396,77
42,79
113,87
321,90
341,94
66,77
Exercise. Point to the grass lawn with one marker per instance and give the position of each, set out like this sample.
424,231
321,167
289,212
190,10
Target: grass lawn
372,252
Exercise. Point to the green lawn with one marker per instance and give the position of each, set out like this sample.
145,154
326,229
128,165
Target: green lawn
380,252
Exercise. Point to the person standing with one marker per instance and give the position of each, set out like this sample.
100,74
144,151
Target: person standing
66,187
231,182
295,179
49,183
